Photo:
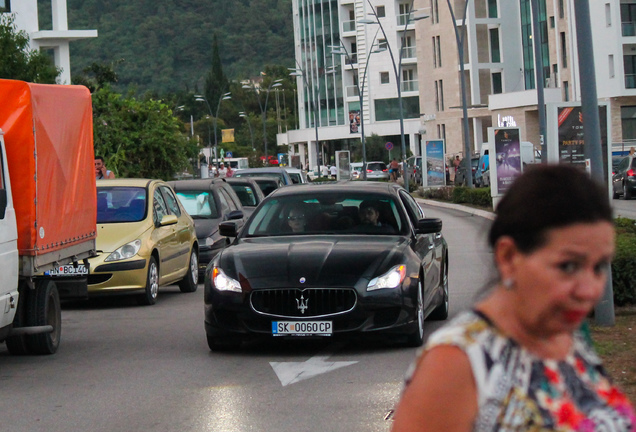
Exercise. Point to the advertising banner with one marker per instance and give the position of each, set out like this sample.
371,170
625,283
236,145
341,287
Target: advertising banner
227,135
354,121
571,143
435,164
508,157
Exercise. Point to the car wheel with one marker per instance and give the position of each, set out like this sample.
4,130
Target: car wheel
627,195
189,282
44,309
149,297
416,338
217,343
440,313
615,194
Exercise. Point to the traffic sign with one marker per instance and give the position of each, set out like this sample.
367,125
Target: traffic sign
389,145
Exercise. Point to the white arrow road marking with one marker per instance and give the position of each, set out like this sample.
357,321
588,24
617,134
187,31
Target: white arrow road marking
293,372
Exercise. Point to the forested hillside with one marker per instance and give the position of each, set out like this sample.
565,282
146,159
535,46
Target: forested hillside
165,45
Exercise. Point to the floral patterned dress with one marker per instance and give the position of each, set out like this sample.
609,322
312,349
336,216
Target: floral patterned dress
518,391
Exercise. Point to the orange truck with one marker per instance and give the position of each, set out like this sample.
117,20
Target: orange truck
47,207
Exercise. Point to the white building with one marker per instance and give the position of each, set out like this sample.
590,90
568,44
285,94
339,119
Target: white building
57,39
335,64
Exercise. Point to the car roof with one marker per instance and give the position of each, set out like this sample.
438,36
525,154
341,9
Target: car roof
129,182
196,184
340,186
294,170
264,169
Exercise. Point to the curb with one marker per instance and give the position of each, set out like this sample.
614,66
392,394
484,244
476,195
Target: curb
473,211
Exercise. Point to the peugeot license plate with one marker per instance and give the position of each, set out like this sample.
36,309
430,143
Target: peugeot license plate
302,328
68,270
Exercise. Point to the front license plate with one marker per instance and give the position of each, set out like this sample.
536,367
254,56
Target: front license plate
68,270
302,328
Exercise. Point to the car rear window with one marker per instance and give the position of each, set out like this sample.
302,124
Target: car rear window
121,204
199,204
245,194
376,166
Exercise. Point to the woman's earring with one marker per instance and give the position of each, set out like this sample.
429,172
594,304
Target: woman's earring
508,283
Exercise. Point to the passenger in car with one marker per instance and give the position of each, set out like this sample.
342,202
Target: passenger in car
369,215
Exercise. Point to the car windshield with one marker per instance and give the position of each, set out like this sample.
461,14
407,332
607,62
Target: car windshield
121,204
245,194
338,213
198,204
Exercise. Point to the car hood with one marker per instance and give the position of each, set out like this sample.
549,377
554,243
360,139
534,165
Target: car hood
324,261
111,236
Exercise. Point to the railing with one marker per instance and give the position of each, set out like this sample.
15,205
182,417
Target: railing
630,81
352,90
401,19
409,52
408,86
629,28
352,59
348,26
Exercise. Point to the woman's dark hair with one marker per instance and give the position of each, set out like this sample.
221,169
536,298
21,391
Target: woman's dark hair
547,197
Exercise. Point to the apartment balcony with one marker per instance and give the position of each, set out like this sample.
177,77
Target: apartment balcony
352,91
351,59
348,26
409,86
402,19
630,81
409,52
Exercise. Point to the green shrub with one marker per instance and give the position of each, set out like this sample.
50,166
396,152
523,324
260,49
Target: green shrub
438,193
475,196
624,263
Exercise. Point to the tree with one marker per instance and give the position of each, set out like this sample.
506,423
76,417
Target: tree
18,61
216,83
140,138
97,75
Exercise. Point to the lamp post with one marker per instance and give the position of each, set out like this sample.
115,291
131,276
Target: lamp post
263,108
300,72
462,79
202,98
249,124
360,88
397,69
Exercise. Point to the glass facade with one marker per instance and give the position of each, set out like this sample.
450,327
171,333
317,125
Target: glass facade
527,47
322,73
389,109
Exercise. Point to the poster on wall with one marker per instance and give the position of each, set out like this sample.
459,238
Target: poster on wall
571,142
354,121
508,157
434,163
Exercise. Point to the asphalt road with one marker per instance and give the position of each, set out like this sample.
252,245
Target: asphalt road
624,208
122,367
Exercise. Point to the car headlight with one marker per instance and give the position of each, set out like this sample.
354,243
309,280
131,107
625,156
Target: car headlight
391,279
126,251
224,283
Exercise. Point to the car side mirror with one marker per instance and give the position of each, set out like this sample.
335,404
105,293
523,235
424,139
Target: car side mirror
428,226
235,214
228,229
168,220
3,202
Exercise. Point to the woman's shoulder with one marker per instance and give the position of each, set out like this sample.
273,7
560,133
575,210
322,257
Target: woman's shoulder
467,328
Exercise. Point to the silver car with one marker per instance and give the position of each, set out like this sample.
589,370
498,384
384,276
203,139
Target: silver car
377,171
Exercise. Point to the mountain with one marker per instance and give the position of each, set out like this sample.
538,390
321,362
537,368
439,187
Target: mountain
166,45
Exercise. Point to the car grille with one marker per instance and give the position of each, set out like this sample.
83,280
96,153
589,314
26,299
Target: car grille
298,303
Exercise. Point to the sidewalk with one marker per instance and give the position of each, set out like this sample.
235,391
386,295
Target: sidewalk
465,209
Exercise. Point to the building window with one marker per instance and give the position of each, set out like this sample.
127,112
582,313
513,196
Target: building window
409,80
630,71
552,22
561,9
441,95
608,15
628,18
382,44
384,78
5,6
380,11
566,91
564,52
434,52
439,52
436,96
628,122
610,61
389,109
435,12
495,55
496,83
492,8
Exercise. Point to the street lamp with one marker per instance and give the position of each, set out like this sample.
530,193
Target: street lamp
397,68
202,98
360,88
249,124
299,72
263,107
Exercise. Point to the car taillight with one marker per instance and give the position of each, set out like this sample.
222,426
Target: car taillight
384,170
630,173
368,170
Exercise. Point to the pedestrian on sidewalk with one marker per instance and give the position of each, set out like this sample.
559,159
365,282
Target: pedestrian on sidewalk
517,360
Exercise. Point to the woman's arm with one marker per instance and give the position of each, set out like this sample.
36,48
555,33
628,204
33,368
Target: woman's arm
442,395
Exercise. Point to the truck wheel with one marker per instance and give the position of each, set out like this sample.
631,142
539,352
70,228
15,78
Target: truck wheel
17,344
44,308
149,297
191,278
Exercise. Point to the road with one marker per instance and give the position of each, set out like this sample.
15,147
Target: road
121,367
624,208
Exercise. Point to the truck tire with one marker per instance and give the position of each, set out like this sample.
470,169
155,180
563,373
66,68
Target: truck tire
17,344
43,308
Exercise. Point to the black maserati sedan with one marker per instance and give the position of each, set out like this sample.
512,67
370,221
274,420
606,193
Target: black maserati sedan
321,260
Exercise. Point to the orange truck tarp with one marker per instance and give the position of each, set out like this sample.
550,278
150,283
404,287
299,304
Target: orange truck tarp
48,133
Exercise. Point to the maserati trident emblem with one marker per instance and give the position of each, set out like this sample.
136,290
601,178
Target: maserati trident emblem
302,304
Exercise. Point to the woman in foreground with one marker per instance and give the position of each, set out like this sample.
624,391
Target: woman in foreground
516,361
